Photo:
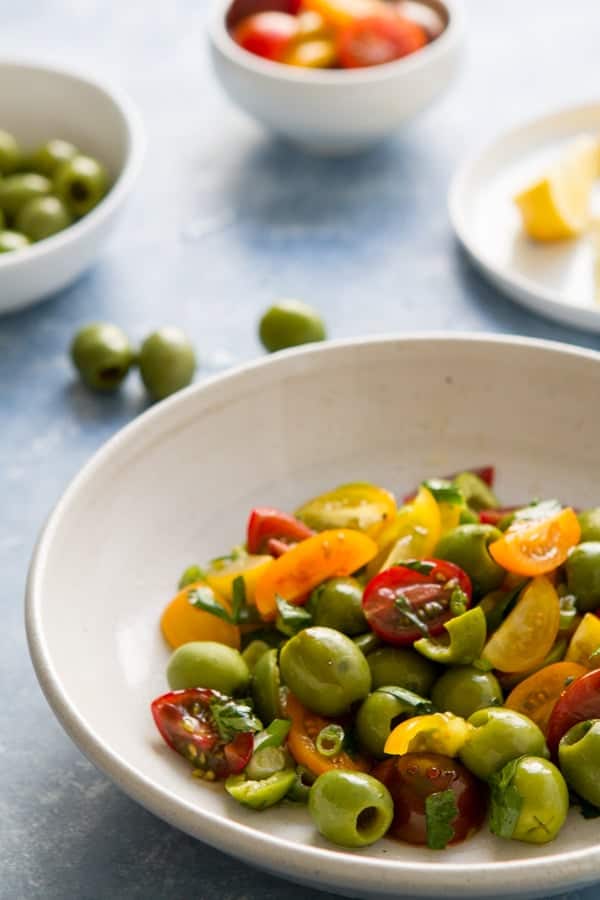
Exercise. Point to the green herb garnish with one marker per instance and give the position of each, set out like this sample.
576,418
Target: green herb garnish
204,598
242,613
440,812
234,717
273,736
445,492
191,574
291,619
417,565
404,605
506,801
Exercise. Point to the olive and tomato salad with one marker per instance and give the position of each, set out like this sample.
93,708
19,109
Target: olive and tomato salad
325,34
406,669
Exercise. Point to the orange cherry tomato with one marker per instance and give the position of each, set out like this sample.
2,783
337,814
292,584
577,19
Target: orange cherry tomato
521,643
302,745
326,555
536,548
377,39
338,13
181,622
536,696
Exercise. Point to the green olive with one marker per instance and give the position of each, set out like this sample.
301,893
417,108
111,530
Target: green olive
42,217
583,575
464,689
167,362
467,546
499,736
367,642
579,759
9,153
402,667
102,355
382,710
350,808
476,492
208,664
266,683
589,522
253,652
48,158
543,801
290,323
12,240
325,670
17,190
337,603
81,183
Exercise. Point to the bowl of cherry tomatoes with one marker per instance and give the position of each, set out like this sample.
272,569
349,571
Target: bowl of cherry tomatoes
335,76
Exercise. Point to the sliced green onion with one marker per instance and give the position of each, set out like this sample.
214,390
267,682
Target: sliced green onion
330,739
273,736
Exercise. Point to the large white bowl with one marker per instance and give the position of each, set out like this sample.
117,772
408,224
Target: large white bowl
336,112
39,102
175,487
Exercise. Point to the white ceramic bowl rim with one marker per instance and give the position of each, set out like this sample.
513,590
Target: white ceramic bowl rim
135,154
335,78
519,874
456,195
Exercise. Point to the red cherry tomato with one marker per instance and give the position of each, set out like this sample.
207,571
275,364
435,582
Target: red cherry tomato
378,39
493,516
186,723
241,9
267,34
412,778
577,703
266,525
425,597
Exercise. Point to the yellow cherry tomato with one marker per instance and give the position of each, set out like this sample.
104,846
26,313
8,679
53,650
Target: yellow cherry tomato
249,567
437,733
313,54
414,533
536,548
537,695
449,516
362,506
585,642
181,622
522,641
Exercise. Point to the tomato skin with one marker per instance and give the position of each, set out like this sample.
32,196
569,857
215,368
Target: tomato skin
412,778
267,34
378,39
266,524
389,622
578,702
200,742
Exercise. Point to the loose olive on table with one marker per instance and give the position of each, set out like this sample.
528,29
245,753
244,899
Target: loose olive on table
290,323
167,362
103,355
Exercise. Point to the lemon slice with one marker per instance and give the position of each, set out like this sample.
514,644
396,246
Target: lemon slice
558,205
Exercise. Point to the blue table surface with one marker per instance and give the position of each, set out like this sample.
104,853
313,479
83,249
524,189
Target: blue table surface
224,221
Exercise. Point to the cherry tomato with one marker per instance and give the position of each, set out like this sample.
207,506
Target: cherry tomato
494,516
338,13
181,622
411,534
185,721
536,548
267,34
411,779
425,598
241,9
378,39
302,745
308,564
585,642
528,633
578,702
537,695
266,524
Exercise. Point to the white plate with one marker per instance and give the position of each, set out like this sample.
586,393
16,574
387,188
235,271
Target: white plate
556,280
175,487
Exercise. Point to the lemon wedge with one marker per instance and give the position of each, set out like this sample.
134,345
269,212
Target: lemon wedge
558,205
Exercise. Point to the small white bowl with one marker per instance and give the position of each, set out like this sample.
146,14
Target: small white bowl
40,102
336,111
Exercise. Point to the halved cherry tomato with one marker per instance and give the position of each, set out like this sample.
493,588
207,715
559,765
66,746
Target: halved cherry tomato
436,733
250,568
378,39
578,702
359,505
486,473
585,642
308,564
186,723
536,548
411,779
412,534
527,634
302,745
494,516
266,524
537,695
181,622
402,605
267,34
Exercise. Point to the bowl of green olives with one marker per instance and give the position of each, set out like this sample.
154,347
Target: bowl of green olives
200,492
70,151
